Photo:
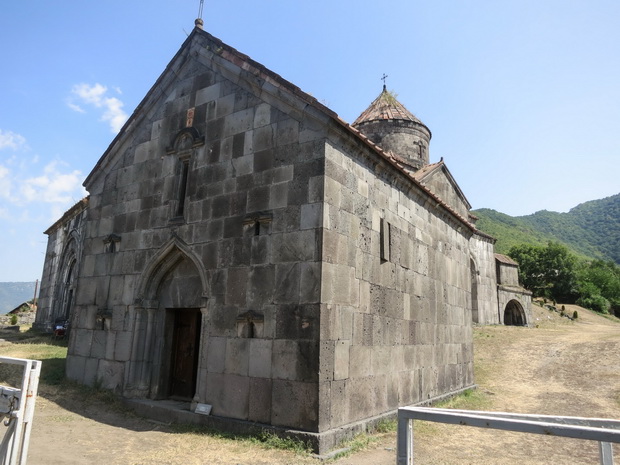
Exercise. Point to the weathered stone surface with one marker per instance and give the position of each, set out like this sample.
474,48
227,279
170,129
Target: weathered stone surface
325,286
228,394
294,404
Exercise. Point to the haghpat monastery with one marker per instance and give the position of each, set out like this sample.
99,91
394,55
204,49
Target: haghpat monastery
244,250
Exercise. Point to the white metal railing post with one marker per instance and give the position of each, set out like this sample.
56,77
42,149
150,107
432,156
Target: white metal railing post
606,453
31,394
17,406
404,455
604,431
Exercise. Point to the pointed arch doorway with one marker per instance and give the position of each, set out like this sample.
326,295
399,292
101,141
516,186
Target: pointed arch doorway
169,329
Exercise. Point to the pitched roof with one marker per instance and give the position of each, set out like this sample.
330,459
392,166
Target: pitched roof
426,172
221,50
505,259
386,107
70,213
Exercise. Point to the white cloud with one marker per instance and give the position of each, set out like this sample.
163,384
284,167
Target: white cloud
96,95
52,186
75,107
11,140
5,182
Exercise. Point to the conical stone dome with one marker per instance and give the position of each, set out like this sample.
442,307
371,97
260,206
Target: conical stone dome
395,129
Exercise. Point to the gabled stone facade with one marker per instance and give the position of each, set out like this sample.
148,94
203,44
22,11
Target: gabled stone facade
61,267
245,248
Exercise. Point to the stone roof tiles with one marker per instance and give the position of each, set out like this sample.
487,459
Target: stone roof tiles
386,107
505,259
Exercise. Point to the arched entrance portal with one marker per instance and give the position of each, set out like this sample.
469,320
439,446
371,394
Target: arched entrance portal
514,314
169,329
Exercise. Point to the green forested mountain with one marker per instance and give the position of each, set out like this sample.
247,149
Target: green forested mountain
591,229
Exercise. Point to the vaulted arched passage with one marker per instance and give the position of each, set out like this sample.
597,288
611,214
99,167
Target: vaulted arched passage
514,315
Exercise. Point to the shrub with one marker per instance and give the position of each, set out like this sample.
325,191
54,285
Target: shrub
575,315
13,319
598,303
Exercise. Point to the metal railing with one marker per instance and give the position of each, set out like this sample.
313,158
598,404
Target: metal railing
17,411
595,429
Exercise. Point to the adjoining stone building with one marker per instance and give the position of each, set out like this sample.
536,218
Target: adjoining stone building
60,269
514,302
244,247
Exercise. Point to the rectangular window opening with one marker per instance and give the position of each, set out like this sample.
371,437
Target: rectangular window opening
183,187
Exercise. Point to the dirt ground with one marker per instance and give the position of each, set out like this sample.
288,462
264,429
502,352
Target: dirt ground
560,367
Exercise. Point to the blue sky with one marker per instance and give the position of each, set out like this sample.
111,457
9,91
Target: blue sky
522,97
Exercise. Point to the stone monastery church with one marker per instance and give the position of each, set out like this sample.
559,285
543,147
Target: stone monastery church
245,251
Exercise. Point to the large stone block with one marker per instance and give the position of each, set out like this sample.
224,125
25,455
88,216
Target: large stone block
260,400
75,367
297,322
83,341
260,286
237,285
260,358
297,246
98,347
310,282
262,115
360,357
341,359
287,283
326,360
381,361
263,137
237,356
215,354
111,375
295,404
208,94
229,395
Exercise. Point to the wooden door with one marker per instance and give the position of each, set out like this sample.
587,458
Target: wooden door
185,345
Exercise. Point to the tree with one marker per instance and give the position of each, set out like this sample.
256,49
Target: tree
547,271
599,286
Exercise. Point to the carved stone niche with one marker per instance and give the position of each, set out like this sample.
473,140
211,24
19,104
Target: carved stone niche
112,243
257,224
104,318
250,325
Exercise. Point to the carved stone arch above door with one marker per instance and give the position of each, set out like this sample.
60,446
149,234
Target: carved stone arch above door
169,257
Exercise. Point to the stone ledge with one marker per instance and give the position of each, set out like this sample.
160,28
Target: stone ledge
169,411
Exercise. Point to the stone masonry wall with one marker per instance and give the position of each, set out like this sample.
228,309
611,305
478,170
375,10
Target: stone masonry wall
485,280
507,274
442,187
252,223
395,312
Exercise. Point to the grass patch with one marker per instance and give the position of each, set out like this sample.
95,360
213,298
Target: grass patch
362,441
470,399
264,439
272,441
356,444
34,346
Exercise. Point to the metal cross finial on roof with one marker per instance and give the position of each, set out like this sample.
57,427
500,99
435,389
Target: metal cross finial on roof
383,78
199,22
